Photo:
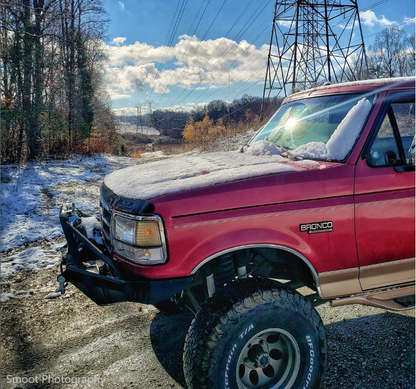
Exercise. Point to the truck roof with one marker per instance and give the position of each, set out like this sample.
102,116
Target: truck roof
362,85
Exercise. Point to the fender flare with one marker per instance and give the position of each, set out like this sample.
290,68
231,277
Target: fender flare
263,245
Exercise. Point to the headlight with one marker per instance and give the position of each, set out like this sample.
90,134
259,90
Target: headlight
143,233
139,239
125,229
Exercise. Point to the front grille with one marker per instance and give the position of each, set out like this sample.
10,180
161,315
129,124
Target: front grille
105,212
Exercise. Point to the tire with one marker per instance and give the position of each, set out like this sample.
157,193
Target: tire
168,308
255,334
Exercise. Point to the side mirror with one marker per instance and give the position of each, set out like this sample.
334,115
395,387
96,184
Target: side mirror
410,167
390,157
412,152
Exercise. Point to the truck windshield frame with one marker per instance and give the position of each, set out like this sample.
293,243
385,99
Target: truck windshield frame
322,128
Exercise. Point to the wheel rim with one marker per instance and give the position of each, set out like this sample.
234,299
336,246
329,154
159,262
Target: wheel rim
270,359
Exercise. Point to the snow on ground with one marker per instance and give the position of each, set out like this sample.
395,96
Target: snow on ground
151,155
31,196
30,200
32,259
126,128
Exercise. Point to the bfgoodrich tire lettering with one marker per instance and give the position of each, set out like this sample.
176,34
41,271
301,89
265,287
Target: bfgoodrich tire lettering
255,334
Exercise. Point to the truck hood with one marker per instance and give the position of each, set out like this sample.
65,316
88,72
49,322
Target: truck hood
185,173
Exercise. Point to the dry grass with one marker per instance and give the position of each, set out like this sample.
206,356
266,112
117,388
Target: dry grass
172,149
136,154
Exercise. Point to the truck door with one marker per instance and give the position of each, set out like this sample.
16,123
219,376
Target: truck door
385,197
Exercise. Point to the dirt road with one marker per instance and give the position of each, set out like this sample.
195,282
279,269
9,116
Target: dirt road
66,341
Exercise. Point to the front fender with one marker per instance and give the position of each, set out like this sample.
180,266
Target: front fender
246,238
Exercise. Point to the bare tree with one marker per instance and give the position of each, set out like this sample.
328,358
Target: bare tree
392,54
49,83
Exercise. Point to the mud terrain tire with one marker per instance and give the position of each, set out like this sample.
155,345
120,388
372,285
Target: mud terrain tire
168,308
255,334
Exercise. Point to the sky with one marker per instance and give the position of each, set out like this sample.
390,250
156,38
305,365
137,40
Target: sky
180,54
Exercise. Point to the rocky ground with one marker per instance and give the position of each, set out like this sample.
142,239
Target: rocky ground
69,342
130,345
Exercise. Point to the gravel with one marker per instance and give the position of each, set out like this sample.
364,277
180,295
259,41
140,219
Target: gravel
132,345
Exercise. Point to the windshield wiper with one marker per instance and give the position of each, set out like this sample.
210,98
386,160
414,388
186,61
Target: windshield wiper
289,153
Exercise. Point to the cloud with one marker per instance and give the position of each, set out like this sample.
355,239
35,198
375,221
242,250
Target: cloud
191,63
187,107
119,40
132,78
127,111
132,111
369,18
136,53
121,5
114,95
347,27
286,23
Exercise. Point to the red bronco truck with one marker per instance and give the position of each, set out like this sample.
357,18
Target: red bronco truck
322,197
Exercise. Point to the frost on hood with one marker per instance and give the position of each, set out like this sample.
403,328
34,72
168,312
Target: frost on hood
343,138
190,172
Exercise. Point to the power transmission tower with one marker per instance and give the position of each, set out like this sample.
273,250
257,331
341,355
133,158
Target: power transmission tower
150,102
314,41
139,117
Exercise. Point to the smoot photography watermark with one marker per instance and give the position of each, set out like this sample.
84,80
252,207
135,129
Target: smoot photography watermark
95,380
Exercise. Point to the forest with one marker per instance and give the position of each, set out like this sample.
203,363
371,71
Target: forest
53,99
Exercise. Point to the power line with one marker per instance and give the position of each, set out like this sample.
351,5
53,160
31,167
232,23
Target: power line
305,50
373,5
196,16
186,49
363,10
213,21
206,33
392,27
239,34
254,74
226,35
253,85
173,33
231,66
172,30
244,106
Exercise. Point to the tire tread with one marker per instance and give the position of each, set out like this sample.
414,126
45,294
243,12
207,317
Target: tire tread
236,299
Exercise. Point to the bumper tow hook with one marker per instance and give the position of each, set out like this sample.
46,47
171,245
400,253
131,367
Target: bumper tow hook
62,284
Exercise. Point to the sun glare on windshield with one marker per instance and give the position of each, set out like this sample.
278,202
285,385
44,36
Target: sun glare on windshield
290,124
321,128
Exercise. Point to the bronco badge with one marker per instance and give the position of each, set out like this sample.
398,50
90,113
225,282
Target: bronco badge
315,228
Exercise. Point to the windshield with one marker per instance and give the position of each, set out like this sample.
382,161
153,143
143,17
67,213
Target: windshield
321,128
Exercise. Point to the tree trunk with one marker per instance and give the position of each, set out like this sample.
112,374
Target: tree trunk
38,71
27,77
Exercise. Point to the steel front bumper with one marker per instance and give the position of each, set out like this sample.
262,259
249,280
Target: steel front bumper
106,289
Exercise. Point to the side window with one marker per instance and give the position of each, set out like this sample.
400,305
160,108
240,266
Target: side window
391,147
405,119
